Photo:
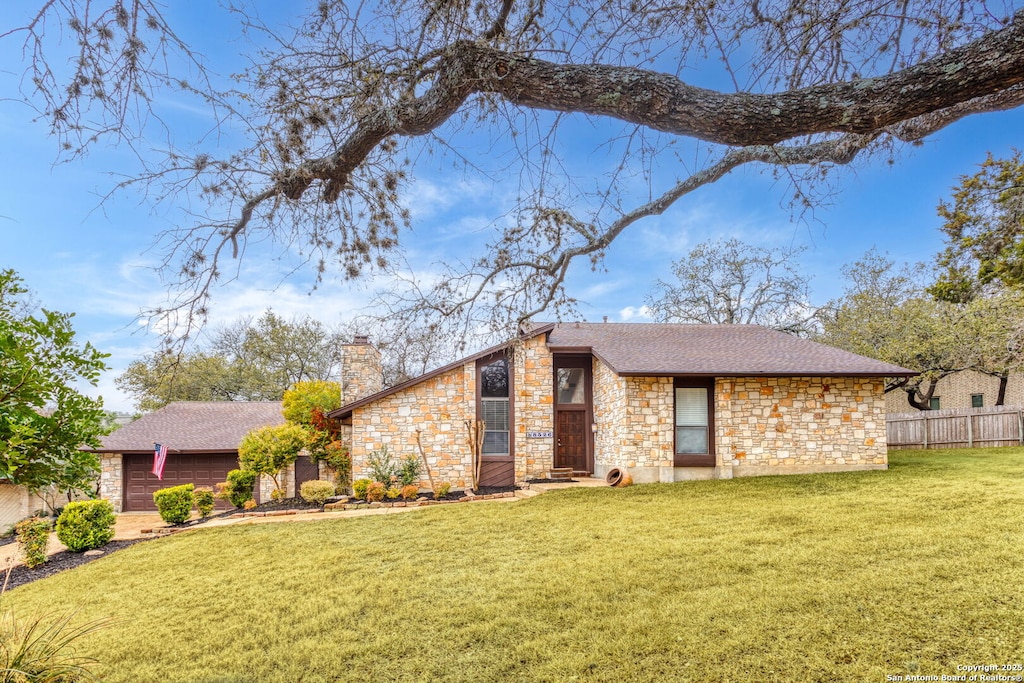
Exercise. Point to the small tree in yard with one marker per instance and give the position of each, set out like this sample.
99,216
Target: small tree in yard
268,450
44,420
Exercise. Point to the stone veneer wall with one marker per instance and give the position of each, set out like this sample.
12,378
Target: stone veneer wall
776,425
533,368
439,407
635,418
112,479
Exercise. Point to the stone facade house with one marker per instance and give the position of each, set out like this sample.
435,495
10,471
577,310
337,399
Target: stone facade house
665,402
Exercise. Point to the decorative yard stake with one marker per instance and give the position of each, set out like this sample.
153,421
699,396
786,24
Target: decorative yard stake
430,475
476,446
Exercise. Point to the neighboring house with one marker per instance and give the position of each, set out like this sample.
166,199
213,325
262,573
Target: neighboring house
964,389
666,402
202,438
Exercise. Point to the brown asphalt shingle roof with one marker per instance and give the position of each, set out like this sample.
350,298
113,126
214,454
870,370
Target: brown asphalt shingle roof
719,350
194,426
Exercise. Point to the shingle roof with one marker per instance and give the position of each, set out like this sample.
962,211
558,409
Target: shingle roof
720,350
194,426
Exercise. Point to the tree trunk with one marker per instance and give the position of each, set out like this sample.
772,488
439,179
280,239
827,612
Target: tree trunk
921,400
1003,381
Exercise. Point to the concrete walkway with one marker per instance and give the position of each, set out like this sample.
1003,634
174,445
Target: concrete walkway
133,525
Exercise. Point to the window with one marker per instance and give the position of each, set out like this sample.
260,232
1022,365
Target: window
977,400
571,385
691,420
694,423
494,407
934,403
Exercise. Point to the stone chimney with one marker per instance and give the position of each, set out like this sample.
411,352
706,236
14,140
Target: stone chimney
361,372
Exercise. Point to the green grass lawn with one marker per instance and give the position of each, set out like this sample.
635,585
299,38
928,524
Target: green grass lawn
840,577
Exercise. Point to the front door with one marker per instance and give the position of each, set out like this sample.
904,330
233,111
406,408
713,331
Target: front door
572,393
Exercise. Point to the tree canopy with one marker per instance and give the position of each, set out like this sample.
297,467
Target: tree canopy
886,313
343,111
729,282
984,229
244,361
44,418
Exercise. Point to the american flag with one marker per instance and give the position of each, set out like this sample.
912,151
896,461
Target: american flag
159,458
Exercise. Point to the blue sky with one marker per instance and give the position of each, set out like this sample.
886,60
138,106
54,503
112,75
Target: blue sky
80,253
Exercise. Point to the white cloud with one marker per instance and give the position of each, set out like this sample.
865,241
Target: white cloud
636,313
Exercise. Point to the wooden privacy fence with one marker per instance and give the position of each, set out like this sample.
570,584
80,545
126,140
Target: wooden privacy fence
957,428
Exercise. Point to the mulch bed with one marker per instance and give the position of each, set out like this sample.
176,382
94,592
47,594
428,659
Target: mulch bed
20,575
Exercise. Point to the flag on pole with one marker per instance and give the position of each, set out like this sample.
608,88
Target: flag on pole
159,458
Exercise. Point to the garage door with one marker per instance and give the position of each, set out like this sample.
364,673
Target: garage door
202,470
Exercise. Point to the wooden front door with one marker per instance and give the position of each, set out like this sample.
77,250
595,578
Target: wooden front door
573,413
571,445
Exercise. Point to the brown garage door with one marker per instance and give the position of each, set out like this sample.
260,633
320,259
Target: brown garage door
202,470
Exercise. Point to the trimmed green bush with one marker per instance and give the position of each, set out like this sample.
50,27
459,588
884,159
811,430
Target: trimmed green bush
359,487
409,470
203,500
33,533
86,525
174,503
239,487
316,491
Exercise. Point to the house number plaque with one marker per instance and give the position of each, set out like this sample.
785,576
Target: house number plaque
540,435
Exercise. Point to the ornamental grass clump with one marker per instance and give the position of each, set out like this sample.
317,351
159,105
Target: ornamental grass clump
174,503
85,525
33,534
41,649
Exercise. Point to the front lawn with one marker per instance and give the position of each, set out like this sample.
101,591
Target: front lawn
843,577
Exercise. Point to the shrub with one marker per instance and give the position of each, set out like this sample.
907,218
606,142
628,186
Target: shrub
359,487
238,488
278,495
86,525
33,533
409,470
375,491
174,503
442,490
382,467
410,492
316,491
393,492
203,499
249,504
335,455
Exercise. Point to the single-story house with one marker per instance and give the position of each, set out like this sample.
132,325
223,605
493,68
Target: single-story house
667,402
202,439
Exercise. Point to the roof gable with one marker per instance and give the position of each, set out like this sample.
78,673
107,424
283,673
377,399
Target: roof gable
194,426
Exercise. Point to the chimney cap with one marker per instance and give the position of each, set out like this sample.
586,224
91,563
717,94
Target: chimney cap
361,339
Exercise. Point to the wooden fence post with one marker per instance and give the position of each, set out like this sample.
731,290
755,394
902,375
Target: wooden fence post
970,431
924,418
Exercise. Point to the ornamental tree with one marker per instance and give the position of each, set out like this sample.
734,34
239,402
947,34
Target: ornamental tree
268,450
44,419
582,113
